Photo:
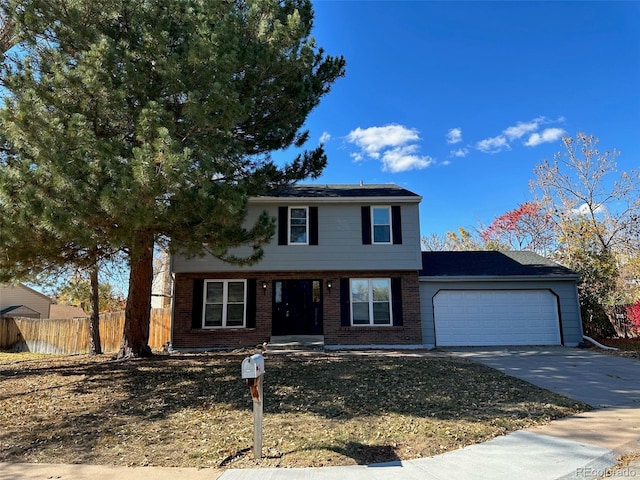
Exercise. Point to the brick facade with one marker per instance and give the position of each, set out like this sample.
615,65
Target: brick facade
187,337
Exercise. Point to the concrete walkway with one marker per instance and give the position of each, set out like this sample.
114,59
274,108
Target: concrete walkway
583,446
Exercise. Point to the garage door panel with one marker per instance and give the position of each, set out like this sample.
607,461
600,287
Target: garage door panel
491,317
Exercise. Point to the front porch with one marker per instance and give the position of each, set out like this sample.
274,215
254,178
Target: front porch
293,342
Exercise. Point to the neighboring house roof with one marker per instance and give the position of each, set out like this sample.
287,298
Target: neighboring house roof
340,191
491,264
9,309
19,311
66,311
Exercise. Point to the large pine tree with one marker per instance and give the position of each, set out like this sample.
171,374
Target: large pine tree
141,121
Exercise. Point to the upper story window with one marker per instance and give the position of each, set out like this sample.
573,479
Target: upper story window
298,225
224,304
381,224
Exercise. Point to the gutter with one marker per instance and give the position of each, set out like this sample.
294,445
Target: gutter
502,278
342,200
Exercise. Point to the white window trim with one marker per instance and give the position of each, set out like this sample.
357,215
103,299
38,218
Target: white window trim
225,303
306,210
373,225
371,302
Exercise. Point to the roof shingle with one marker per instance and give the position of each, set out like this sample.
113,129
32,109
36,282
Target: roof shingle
489,263
342,191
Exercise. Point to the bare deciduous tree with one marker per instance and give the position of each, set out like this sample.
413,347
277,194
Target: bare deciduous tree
583,182
595,212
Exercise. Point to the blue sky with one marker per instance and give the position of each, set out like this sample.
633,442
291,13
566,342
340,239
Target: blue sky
458,101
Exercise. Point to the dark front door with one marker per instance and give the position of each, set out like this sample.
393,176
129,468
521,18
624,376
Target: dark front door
297,307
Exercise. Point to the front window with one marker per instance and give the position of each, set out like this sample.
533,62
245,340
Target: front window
371,301
381,224
298,225
224,303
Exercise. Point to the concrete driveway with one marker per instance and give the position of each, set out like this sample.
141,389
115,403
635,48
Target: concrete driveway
597,379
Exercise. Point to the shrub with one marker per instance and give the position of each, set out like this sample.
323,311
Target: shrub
633,314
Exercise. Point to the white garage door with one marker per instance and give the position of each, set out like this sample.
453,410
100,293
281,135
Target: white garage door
495,317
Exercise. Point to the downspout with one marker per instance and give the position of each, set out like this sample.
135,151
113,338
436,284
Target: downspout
598,344
171,305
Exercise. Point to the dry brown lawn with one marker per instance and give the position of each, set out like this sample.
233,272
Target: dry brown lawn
320,409
628,347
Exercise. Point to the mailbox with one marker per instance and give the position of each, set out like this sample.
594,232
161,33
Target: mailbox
252,373
253,366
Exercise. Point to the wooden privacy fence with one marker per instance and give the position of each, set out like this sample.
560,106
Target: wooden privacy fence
71,336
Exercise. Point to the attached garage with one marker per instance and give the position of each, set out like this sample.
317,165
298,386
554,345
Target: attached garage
497,298
496,317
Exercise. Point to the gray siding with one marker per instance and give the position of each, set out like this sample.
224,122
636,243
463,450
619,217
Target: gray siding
569,307
11,295
339,245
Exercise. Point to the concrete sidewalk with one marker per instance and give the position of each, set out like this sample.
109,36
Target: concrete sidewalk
584,446
538,457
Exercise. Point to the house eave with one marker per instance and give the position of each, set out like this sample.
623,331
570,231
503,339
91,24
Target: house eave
498,278
342,200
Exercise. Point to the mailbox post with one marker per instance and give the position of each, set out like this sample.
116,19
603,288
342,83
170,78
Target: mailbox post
253,373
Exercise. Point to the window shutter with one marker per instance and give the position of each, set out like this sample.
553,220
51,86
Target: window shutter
396,225
366,225
396,301
345,309
283,225
251,302
313,225
198,305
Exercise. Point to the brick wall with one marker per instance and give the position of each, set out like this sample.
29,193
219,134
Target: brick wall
410,333
186,337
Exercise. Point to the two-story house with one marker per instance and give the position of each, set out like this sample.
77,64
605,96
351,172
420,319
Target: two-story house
343,264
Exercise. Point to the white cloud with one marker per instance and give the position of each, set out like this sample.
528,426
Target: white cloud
454,135
585,210
374,139
520,129
460,153
548,135
325,137
493,144
402,159
529,130
394,145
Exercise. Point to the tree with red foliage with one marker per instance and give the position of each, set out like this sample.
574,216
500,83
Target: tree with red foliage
633,314
526,227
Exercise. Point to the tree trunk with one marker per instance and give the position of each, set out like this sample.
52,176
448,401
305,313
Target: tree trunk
135,338
95,347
